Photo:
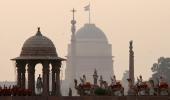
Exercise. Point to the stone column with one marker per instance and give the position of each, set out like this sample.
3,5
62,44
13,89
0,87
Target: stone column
31,77
18,74
23,76
56,78
131,62
58,92
53,78
45,78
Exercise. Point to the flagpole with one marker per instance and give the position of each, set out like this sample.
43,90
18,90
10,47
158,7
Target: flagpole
87,8
89,13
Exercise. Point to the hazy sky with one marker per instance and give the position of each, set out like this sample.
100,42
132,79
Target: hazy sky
147,22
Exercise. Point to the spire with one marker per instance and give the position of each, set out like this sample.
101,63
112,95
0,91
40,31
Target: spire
73,22
73,12
72,58
38,32
131,61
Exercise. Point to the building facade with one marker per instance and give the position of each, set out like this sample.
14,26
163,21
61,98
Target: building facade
89,50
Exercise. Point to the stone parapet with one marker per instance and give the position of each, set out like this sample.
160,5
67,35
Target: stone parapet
85,98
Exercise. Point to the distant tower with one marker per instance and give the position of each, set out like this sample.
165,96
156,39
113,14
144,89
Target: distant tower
73,45
131,62
71,70
73,28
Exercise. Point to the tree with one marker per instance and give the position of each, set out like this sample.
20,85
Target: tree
125,82
161,69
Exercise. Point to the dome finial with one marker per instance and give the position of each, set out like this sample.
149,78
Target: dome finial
38,32
39,29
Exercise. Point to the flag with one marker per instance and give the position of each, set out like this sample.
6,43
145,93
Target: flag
87,8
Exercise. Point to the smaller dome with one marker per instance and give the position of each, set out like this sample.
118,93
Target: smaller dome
38,45
89,32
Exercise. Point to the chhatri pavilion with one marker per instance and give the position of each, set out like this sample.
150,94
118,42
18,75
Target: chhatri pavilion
39,49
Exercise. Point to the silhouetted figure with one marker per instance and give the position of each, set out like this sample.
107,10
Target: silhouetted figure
101,81
39,84
84,78
70,92
113,80
75,82
95,77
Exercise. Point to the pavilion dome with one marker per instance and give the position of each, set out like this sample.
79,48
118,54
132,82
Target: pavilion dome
38,47
90,32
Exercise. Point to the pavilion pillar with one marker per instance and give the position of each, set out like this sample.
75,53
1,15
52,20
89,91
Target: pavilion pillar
18,74
58,93
53,79
31,77
23,76
45,79
56,78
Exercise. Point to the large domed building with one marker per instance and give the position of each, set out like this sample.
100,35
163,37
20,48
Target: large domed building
89,32
89,50
92,41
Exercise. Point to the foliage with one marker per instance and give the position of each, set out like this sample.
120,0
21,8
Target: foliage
161,68
100,91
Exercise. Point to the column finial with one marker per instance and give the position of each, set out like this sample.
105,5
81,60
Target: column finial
131,44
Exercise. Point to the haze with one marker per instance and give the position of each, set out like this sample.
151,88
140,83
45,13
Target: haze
146,22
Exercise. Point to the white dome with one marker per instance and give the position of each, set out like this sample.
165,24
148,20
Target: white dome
89,32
